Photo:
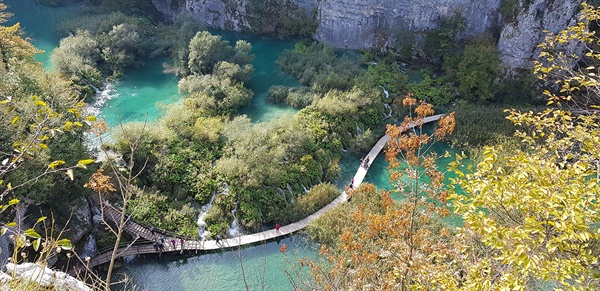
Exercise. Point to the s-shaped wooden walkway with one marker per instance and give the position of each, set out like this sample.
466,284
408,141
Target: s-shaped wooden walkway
141,231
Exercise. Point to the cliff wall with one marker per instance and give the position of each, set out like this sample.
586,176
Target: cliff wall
519,39
356,24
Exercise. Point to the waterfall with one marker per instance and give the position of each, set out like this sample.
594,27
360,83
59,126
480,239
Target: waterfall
358,129
95,88
109,92
235,228
89,248
389,114
92,142
387,94
291,193
282,192
202,231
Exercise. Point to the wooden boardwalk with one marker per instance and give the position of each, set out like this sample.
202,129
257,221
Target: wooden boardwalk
146,247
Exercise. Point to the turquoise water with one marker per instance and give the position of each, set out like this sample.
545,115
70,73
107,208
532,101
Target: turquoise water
139,92
263,264
266,74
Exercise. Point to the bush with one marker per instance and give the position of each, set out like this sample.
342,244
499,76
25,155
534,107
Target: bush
318,197
298,97
318,66
433,90
479,126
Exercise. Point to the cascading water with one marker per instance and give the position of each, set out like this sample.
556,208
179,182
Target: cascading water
385,116
202,231
235,228
387,94
89,248
109,92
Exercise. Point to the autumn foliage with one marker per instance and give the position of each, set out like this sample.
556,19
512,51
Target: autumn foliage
396,245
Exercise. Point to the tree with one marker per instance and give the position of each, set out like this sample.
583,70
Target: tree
124,177
531,218
399,246
13,46
572,78
477,70
36,108
206,50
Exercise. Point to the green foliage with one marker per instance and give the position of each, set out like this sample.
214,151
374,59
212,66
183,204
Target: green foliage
213,94
480,126
281,17
102,44
476,71
390,76
440,43
433,90
206,50
298,97
155,209
77,57
318,197
510,10
177,37
233,71
319,67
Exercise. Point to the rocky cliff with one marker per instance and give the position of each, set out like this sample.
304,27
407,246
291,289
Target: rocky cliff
356,24
353,23
519,39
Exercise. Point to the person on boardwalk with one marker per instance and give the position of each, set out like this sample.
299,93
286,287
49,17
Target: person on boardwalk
366,163
181,242
152,230
155,245
277,226
218,239
173,242
352,183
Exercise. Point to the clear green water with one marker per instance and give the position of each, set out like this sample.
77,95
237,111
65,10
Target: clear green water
222,271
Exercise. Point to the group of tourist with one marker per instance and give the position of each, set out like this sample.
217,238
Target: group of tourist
159,244
365,162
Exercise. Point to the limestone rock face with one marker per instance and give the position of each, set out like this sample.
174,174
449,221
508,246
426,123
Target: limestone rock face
352,23
518,41
42,276
356,24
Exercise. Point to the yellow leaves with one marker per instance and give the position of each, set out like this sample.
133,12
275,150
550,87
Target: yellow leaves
55,164
15,119
40,103
84,163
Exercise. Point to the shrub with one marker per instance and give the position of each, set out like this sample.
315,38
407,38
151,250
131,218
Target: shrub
319,196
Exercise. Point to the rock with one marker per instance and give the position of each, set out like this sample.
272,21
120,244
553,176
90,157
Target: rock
518,40
356,24
353,23
45,277
4,278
